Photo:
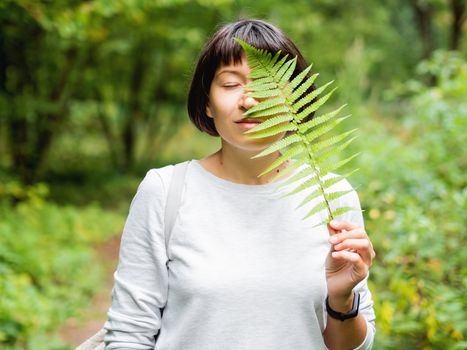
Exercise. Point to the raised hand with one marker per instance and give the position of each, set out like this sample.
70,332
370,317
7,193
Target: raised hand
347,263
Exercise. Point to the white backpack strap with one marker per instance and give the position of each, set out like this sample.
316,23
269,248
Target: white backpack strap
96,342
174,196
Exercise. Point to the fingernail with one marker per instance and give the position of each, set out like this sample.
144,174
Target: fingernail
334,223
333,239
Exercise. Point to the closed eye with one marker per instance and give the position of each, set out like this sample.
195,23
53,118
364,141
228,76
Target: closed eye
229,86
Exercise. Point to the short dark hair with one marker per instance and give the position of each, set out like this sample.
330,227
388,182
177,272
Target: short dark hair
221,49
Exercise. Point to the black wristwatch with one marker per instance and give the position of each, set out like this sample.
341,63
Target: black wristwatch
341,315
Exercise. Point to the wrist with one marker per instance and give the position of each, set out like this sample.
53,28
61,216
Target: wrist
341,303
342,316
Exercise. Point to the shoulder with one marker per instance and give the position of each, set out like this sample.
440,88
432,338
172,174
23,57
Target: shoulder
158,179
349,199
341,185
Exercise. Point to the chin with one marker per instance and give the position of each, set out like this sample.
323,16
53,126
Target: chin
255,146
252,146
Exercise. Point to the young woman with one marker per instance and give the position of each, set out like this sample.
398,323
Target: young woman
242,270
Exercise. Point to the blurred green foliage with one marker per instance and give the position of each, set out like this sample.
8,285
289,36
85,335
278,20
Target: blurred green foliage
116,72
92,95
414,171
47,267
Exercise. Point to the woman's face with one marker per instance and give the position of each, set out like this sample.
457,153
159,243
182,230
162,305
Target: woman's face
228,102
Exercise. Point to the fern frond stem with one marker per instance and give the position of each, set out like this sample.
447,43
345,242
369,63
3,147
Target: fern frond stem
313,162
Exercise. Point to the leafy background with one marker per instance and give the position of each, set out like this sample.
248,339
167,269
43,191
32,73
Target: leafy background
92,95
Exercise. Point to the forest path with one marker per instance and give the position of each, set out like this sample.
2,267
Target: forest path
77,329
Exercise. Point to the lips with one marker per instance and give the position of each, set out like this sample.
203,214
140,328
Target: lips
250,120
249,123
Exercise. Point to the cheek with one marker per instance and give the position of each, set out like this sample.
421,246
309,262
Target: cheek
225,101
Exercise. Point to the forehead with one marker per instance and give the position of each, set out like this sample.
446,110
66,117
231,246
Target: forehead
236,68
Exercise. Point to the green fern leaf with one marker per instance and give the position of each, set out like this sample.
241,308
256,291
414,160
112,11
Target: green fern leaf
282,99
263,86
336,212
273,102
335,195
304,186
286,71
269,112
333,180
278,120
303,173
295,165
298,80
310,197
334,166
314,134
265,67
318,191
287,155
303,88
259,82
330,141
271,131
275,68
314,106
264,93
279,145
308,98
330,151
319,120
342,210
324,222
316,209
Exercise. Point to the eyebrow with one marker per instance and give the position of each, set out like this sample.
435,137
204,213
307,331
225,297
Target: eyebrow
232,71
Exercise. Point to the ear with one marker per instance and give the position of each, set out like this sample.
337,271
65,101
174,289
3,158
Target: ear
209,112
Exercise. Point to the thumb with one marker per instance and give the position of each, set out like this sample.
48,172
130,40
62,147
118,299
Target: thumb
332,227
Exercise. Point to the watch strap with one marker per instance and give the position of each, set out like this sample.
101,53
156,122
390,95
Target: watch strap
342,316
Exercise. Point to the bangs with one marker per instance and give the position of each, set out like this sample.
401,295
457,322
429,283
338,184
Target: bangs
225,50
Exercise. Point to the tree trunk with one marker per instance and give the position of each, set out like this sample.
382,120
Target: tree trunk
31,130
134,111
112,142
458,18
50,123
19,147
14,51
424,19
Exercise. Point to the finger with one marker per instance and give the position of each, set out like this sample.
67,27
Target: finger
331,230
359,232
341,225
351,257
362,246
358,244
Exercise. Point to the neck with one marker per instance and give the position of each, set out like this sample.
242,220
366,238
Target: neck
238,166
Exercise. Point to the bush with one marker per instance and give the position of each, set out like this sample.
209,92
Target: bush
47,269
415,205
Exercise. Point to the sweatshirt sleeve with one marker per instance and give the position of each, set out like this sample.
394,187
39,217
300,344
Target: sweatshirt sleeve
141,279
366,302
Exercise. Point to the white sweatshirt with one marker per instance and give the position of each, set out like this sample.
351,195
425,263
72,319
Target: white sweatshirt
243,271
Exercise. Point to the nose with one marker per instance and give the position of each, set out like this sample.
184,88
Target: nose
247,102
